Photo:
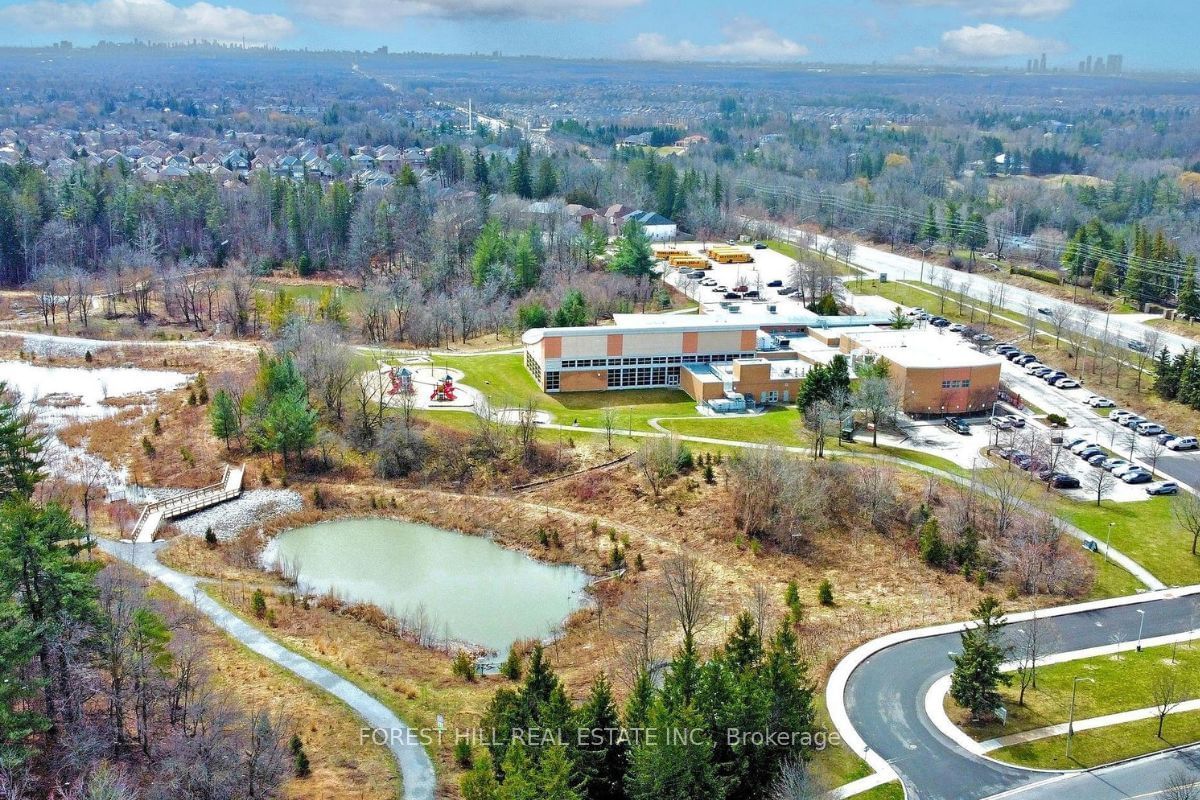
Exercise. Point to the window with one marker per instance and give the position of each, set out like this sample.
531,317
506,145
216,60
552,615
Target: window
965,383
552,381
534,368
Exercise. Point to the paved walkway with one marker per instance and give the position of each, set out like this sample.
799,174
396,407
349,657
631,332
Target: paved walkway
1091,723
404,742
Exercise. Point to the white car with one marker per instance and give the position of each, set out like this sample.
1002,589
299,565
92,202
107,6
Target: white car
1001,423
1065,383
1096,401
1183,443
1034,366
1121,470
1084,445
1016,420
957,327
1120,415
1150,429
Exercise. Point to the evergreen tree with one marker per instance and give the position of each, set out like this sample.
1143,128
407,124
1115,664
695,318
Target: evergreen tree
555,776
290,425
547,180
976,677
224,417
1166,375
491,250
21,462
929,229
480,782
1105,278
677,765
572,312
951,227
603,756
1189,302
527,267
479,170
520,180
520,774
633,256
639,702
931,545
744,650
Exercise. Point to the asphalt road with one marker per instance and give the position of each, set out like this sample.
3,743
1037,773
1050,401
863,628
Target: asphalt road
979,286
885,699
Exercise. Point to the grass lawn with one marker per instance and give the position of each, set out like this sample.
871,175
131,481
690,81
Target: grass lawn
1111,580
793,252
836,765
1104,745
888,791
352,298
1146,531
1122,683
780,426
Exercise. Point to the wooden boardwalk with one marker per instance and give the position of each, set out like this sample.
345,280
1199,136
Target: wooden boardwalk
229,487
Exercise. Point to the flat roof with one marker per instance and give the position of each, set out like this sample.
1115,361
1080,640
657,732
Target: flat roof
921,348
644,323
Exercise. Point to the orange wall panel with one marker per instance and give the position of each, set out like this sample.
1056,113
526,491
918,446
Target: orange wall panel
691,342
552,347
616,344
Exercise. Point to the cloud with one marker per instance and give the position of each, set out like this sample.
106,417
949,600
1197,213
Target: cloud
156,20
985,42
379,13
997,8
745,40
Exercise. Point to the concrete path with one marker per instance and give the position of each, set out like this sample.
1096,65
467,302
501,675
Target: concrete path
1091,723
404,742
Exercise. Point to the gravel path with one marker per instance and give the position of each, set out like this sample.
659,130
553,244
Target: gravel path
230,518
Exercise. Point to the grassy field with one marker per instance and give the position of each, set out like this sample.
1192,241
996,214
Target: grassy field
1122,683
793,252
1104,745
888,791
915,294
352,298
1145,531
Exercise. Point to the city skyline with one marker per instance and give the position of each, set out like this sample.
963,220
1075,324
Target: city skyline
1011,33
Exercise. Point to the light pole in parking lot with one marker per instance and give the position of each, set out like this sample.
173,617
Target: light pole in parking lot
1071,718
1108,541
1141,624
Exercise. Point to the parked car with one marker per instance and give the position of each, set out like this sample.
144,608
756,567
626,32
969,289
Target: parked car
1112,463
1098,459
940,322
759,246
1005,349
924,316
1166,487
1065,383
696,273
1001,423
1044,310
775,283
1096,401
1183,443
1150,429
1013,355
1052,375
708,282
1067,445
1119,415
1045,473
1089,452
1063,481
1016,420
982,338
787,290
1022,461
1133,422
1024,358
752,293
957,327
1119,471
958,425
732,296
1038,370
1078,449
1137,347
1137,476
1164,438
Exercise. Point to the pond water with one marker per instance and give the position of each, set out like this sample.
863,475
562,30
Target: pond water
468,588
91,387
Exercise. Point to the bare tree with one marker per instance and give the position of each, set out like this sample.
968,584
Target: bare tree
638,626
1007,490
1028,649
879,398
822,418
689,586
1151,449
796,781
1181,784
1099,482
658,460
1166,693
1186,510
1061,316
609,417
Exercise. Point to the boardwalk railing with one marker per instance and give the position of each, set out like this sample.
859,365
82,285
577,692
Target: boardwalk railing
229,487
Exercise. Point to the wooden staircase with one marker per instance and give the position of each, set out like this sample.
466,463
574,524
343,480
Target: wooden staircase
229,487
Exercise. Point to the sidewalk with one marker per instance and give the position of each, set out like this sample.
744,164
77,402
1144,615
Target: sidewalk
1088,724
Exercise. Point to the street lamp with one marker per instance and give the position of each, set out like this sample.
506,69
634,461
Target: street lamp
1108,541
1071,719
1141,624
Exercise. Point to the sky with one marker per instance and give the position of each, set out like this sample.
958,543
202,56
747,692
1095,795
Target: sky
1151,34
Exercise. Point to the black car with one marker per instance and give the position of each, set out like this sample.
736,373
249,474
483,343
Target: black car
958,425
1013,355
732,296
1063,481
774,284
759,246
940,322
752,293
785,291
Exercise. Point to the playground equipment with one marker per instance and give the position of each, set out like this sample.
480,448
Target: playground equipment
402,382
444,391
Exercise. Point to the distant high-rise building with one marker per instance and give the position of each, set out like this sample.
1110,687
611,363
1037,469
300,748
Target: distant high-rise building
1115,64
1083,66
1088,68
1043,62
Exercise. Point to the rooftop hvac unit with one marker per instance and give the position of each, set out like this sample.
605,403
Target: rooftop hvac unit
771,308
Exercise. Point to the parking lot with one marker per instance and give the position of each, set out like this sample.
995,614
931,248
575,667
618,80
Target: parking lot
768,267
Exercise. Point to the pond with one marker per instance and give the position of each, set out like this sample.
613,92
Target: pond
464,588
86,388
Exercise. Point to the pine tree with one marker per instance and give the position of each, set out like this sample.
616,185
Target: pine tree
554,775
547,180
526,266
744,650
1105,278
929,229
480,782
223,415
1166,375
931,545
674,767
520,777
300,764
633,256
1189,302
520,181
21,462
975,681
603,756
951,227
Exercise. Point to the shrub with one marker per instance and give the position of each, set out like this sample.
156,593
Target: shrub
300,765
825,593
258,603
638,563
462,753
148,447
463,666
511,668
87,356
186,454
156,428
1057,420
1037,274
210,538
317,498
